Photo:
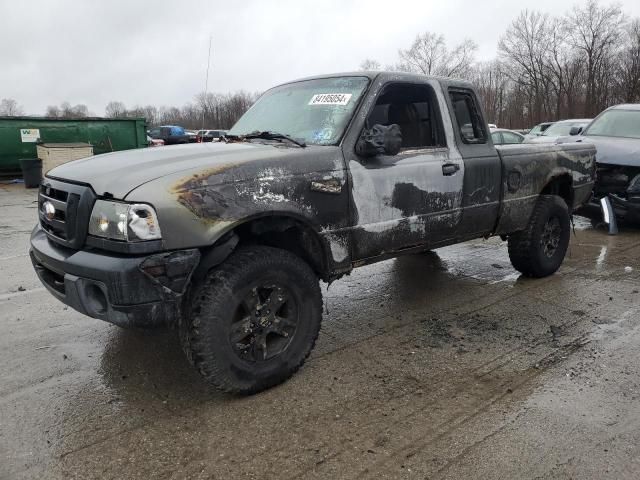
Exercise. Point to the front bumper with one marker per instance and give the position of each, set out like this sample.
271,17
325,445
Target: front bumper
627,210
129,291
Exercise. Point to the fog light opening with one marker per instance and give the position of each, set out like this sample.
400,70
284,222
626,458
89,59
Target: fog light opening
96,299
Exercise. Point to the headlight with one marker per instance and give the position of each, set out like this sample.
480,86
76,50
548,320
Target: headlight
124,221
634,185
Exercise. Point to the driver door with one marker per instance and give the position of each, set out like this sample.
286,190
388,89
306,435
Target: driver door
411,199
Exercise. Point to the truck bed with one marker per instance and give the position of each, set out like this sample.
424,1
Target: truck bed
528,168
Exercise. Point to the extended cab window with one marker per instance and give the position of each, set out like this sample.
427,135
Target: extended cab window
414,109
468,116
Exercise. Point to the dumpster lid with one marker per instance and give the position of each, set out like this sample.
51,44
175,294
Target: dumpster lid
66,145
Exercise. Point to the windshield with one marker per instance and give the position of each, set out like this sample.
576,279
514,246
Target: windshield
616,123
314,111
562,129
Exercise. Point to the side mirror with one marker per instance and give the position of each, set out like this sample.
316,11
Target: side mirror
379,139
575,131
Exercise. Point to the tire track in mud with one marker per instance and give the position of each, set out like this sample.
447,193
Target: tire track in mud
478,372
412,403
447,427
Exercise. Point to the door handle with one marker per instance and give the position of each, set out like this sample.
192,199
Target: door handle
450,168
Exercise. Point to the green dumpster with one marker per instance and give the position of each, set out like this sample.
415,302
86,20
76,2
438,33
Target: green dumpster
20,135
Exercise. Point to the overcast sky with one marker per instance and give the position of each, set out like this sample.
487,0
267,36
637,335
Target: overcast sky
155,52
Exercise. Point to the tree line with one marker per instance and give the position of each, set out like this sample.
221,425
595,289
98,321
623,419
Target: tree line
211,110
547,67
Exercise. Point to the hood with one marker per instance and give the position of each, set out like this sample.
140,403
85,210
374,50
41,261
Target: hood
615,150
118,173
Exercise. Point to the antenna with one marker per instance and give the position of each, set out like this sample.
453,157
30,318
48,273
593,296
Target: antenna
206,83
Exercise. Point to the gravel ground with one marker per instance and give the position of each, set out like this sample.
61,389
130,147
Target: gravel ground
443,365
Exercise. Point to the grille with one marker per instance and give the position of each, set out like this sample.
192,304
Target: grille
56,226
65,223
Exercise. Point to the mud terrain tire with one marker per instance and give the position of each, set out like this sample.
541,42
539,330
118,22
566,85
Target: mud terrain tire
253,321
538,251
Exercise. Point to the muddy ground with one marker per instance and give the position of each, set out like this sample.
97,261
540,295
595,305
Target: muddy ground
445,365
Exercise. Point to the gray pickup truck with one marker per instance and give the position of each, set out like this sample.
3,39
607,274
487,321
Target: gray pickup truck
227,241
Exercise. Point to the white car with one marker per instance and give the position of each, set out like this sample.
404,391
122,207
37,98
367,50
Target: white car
560,129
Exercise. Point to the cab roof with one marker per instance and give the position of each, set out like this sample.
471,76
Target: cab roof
389,76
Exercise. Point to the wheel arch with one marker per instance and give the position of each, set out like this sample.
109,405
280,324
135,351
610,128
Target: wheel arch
287,231
562,186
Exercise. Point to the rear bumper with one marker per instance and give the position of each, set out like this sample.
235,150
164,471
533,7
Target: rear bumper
129,291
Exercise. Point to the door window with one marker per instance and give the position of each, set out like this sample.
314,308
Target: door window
496,137
468,116
414,109
511,137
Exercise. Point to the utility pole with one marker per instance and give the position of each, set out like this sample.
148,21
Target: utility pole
206,83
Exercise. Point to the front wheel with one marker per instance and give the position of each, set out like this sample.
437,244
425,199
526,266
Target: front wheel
538,251
254,321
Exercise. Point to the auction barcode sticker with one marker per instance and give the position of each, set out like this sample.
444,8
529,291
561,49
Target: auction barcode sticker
330,99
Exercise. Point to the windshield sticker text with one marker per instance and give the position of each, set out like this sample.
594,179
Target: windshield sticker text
330,99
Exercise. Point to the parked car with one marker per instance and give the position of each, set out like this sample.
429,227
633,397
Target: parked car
560,129
321,176
192,134
538,130
170,134
210,135
616,135
492,126
154,142
502,136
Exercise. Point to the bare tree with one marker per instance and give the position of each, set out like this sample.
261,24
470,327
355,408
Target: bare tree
523,48
430,55
66,110
10,108
596,32
628,62
563,68
493,86
53,111
217,110
80,110
115,109
370,64
150,114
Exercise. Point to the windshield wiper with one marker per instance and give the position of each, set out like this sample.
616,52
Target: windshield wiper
269,135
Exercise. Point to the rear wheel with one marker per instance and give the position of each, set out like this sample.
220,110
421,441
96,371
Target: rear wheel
254,321
539,250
